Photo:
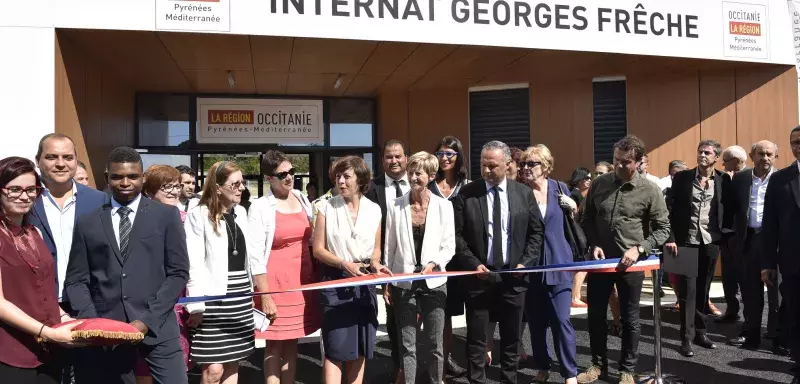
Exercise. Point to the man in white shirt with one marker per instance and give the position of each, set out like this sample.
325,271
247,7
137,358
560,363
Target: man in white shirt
389,186
643,167
748,195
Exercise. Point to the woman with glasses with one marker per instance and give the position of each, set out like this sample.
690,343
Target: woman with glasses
215,235
28,303
549,296
280,259
347,242
579,185
450,177
162,183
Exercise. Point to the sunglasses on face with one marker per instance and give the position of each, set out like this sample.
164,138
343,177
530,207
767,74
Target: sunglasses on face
529,164
234,186
15,192
282,175
446,155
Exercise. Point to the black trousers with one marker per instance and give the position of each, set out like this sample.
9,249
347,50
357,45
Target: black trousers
394,340
732,273
790,317
629,286
753,293
114,365
43,374
506,298
693,293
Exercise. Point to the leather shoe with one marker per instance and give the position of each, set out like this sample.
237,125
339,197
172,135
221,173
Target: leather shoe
737,341
453,369
779,350
703,341
686,349
728,318
752,345
796,380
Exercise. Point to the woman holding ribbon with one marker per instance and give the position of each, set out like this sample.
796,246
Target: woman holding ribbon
28,303
347,241
420,238
549,296
215,235
280,258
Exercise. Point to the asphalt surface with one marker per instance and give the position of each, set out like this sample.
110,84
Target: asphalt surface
725,365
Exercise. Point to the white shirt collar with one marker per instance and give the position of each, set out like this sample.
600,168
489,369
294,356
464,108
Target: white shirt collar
389,179
133,205
769,174
503,185
74,189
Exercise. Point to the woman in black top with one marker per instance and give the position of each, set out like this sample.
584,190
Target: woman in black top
579,184
451,176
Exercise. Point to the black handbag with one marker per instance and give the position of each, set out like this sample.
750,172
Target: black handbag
574,233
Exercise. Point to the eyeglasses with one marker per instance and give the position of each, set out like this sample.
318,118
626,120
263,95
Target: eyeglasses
166,188
233,186
446,154
282,175
529,164
15,192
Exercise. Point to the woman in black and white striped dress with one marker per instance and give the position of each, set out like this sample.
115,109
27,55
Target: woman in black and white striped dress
223,329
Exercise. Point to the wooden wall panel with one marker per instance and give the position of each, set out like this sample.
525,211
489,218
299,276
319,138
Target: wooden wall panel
435,114
718,107
392,117
561,119
93,107
766,104
664,112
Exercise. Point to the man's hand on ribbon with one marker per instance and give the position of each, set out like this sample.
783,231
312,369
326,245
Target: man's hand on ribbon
484,272
628,258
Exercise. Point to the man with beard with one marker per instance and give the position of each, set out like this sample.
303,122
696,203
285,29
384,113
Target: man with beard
188,197
385,188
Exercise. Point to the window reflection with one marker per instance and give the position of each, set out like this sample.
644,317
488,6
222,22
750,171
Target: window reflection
351,122
163,120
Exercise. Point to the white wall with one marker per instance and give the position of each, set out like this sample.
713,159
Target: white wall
27,88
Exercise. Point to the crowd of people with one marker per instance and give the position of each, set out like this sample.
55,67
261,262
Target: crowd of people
128,253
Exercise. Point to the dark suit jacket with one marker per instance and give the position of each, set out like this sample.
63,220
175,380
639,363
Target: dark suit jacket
679,198
145,287
780,240
737,205
87,200
377,193
472,226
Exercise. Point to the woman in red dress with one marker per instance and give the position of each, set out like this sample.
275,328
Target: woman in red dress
28,303
280,258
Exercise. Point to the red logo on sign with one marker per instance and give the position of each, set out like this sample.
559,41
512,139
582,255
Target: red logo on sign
749,29
218,116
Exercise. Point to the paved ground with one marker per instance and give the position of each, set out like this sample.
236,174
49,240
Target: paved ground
725,365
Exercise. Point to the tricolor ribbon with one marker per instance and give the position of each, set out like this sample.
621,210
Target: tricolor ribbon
598,266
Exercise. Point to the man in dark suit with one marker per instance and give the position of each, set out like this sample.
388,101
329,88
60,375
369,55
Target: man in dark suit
695,218
129,263
495,230
387,187
781,247
734,159
57,209
745,201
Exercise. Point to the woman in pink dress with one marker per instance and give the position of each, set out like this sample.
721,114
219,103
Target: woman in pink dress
280,258
162,183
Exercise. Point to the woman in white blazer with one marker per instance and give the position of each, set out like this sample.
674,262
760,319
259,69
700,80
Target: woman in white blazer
215,235
280,258
420,238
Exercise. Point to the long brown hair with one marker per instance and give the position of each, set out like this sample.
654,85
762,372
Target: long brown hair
217,175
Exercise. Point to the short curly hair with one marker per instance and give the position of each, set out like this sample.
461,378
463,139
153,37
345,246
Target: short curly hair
359,167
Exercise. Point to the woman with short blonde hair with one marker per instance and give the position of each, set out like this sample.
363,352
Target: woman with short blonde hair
420,238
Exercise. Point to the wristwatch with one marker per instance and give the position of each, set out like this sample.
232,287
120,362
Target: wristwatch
641,250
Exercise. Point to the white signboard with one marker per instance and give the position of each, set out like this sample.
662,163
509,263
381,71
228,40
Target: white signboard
795,15
197,15
746,30
260,121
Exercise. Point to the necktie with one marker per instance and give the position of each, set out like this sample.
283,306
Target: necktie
397,191
124,232
497,230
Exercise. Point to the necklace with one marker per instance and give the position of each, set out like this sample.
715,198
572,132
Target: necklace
234,235
13,238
